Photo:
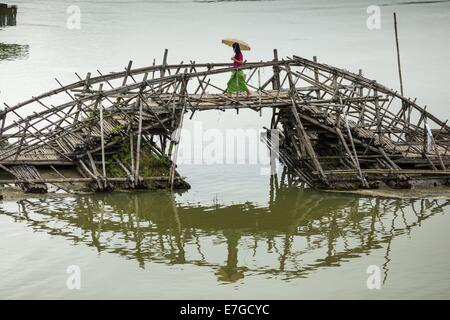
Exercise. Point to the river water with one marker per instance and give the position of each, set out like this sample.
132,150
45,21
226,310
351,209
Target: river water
232,235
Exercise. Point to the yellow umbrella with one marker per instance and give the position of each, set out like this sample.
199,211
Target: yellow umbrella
242,44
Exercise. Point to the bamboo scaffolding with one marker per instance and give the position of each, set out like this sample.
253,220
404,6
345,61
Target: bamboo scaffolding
330,120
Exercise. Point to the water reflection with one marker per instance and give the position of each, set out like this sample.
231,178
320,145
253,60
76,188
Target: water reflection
11,51
299,232
8,15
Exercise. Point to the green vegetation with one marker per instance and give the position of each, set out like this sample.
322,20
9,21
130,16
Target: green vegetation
151,165
113,169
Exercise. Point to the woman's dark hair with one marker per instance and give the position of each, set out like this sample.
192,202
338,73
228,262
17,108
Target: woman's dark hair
236,48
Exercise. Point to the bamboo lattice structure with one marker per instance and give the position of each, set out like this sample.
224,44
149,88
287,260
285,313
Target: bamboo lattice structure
338,130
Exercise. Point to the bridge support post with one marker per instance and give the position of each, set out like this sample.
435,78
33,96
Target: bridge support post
176,139
276,72
164,63
273,123
316,77
302,134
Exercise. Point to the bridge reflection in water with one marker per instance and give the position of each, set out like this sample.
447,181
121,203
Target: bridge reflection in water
12,51
295,234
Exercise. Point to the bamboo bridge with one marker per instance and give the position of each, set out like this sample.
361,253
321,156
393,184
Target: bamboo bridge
337,129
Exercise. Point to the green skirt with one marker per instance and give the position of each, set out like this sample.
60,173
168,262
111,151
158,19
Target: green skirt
237,82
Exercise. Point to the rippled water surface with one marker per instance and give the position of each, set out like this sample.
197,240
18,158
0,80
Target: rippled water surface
232,235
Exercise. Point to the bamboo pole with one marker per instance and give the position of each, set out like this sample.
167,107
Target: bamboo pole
316,76
177,134
276,72
27,124
398,54
139,137
304,136
131,133
127,73
138,143
164,64
102,139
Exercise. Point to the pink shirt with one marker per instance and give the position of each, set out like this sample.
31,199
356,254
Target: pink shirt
239,57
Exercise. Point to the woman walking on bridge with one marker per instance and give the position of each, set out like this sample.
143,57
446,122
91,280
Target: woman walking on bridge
237,81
